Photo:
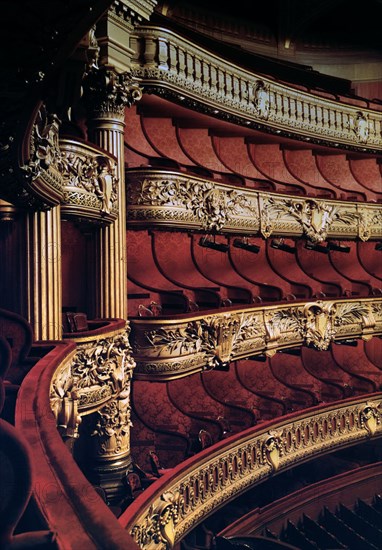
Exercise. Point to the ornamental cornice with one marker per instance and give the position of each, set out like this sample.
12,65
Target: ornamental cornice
172,199
100,371
90,182
171,348
165,63
229,468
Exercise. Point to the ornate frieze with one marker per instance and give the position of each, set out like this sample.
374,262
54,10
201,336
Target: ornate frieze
170,198
200,203
90,182
169,64
165,349
231,469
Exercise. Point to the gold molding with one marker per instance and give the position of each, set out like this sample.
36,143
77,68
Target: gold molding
166,60
99,373
90,182
172,348
229,469
163,198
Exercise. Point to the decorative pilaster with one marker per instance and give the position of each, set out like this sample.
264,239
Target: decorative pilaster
107,95
44,301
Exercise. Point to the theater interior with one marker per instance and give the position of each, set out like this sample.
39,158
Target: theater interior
191,275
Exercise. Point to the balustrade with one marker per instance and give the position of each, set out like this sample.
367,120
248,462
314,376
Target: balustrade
166,61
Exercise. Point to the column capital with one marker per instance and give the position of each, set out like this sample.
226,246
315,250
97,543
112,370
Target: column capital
107,92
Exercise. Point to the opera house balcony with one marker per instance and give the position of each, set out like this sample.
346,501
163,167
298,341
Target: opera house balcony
190,276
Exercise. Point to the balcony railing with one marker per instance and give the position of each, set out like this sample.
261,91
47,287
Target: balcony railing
89,182
172,507
183,71
163,198
171,347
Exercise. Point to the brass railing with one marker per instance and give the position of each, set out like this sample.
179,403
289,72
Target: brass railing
166,348
190,74
164,198
181,500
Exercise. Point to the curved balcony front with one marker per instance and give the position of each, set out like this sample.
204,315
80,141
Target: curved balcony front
169,65
182,498
89,182
172,199
171,347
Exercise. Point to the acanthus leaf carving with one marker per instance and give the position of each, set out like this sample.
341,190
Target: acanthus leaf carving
315,217
44,157
110,92
158,529
217,337
101,370
93,175
212,207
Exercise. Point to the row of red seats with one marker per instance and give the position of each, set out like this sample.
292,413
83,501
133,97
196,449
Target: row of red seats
168,416
184,272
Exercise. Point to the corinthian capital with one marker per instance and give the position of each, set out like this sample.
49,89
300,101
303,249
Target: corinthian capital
107,92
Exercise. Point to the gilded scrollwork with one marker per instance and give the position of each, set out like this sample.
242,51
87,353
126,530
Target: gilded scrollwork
227,472
217,338
44,151
90,181
158,531
112,426
168,197
101,371
179,347
315,217
212,207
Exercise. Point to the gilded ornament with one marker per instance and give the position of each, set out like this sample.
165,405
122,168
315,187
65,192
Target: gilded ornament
370,417
109,92
319,328
93,176
272,449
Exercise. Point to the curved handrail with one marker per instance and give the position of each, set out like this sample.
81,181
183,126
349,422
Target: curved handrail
183,497
181,70
67,501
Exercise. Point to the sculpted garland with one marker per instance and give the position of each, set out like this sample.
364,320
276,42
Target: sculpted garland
195,203
176,347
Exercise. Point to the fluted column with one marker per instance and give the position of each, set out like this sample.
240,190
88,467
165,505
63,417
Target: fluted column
107,94
44,301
